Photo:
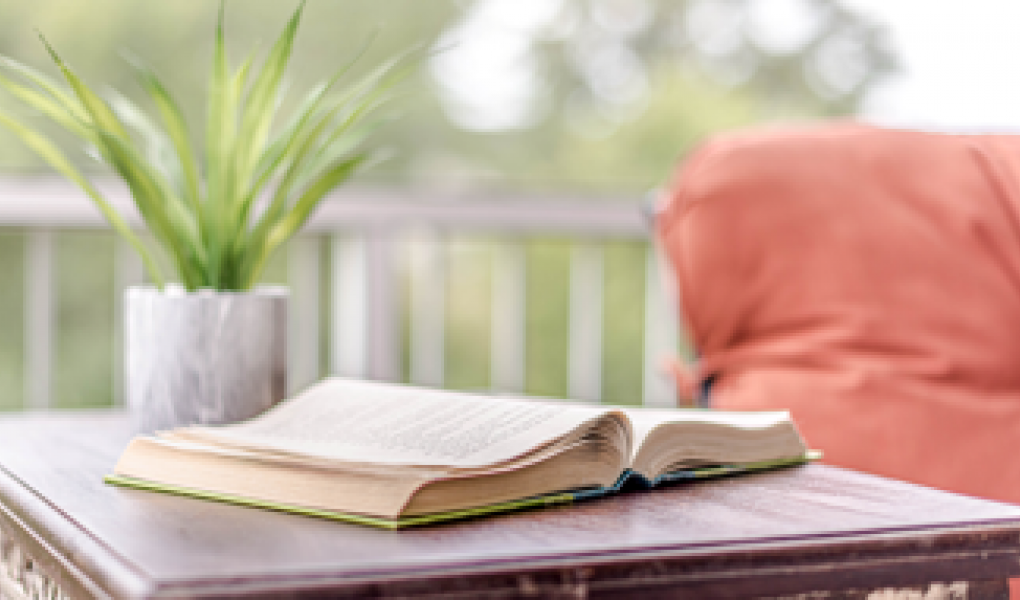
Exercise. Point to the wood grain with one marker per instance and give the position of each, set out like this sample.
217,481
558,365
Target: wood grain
771,534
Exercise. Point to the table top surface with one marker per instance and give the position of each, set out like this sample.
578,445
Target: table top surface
132,543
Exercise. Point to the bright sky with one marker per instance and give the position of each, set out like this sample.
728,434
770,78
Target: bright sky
959,59
487,68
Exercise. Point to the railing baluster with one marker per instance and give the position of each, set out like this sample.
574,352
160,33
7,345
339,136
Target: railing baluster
584,378
349,331
365,339
508,317
428,309
128,271
40,319
383,314
303,274
660,335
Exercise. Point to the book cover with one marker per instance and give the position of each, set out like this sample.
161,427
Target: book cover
627,480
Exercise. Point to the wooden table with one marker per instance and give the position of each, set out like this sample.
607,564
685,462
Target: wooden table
771,534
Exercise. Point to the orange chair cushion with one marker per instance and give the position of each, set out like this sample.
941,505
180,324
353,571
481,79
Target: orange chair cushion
868,280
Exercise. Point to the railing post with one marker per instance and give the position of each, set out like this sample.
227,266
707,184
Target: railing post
349,331
508,317
128,270
40,319
661,336
428,309
584,377
303,274
366,328
384,322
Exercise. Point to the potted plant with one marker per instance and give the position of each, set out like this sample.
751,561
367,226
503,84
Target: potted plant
208,348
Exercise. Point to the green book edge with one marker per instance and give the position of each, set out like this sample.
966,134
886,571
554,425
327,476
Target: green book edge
514,505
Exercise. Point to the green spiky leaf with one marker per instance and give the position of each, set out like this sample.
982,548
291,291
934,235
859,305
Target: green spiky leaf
204,210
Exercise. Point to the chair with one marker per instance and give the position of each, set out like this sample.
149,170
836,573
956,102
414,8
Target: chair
866,279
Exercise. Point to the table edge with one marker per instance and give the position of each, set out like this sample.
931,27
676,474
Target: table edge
54,537
1000,551
100,570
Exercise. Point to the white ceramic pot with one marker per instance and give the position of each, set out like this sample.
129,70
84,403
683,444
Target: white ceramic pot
203,357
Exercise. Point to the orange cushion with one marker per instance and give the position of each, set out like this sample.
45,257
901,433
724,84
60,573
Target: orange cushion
868,280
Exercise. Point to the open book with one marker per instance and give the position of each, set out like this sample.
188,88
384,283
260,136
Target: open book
393,456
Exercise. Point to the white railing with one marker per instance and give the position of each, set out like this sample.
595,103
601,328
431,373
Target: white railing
373,235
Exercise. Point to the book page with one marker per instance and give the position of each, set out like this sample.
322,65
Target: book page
367,422
644,420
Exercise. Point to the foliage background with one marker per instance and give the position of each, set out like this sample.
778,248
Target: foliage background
601,97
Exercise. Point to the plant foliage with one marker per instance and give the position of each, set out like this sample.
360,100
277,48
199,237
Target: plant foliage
221,210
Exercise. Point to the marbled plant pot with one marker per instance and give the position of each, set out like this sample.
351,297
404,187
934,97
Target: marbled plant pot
203,357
